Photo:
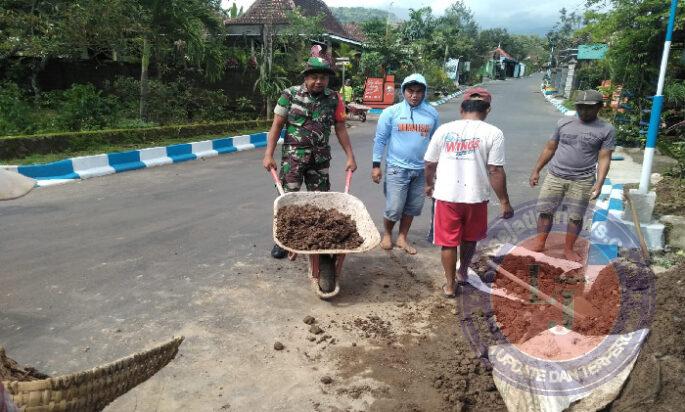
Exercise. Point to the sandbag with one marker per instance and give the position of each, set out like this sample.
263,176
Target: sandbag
14,185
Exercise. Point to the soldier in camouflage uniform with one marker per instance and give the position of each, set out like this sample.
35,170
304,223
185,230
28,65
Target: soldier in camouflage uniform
308,112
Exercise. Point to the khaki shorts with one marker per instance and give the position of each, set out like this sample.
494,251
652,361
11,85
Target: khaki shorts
573,194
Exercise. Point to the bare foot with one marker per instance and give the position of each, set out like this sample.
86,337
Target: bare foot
572,255
386,243
403,244
537,246
448,292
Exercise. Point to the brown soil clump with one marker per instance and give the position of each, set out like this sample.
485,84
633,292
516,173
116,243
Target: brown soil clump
670,191
656,382
11,371
313,228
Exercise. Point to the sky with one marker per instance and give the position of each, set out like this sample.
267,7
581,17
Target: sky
517,16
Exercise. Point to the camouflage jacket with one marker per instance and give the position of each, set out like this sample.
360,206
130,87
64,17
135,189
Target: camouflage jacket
309,117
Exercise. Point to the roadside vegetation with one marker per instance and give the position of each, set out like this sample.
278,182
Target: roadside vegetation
634,31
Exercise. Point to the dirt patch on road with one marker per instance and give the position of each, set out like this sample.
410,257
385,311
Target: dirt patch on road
433,370
411,355
312,228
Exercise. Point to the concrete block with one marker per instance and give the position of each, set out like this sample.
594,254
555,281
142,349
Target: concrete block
675,234
643,203
653,233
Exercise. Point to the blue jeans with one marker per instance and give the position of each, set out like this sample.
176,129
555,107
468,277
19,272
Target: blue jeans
403,189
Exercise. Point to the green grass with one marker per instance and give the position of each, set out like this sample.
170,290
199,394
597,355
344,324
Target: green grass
569,104
108,148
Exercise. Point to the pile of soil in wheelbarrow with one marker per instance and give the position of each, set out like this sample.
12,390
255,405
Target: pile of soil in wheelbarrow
11,371
313,228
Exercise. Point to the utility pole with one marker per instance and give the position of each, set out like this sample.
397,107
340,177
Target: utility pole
657,104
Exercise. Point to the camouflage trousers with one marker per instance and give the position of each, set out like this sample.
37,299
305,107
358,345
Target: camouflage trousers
308,164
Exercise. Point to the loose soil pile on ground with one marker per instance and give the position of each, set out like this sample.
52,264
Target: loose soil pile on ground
612,305
670,191
11,371
656,382
313,228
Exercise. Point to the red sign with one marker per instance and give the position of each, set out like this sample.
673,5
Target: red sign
378,92
373,90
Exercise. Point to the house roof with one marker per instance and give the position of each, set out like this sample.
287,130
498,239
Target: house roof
276,12
503,53
355,31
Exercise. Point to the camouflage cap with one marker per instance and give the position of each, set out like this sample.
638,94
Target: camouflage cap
317,65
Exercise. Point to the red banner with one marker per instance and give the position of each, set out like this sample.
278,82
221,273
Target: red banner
373,90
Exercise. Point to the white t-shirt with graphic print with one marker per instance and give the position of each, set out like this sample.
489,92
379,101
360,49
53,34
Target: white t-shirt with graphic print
463,150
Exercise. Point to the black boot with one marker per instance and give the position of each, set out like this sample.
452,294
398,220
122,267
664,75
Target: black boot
278,252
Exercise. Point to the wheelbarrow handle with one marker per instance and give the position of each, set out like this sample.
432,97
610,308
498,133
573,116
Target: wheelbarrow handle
348,180
277,181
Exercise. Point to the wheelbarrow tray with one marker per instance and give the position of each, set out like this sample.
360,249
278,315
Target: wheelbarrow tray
357,106
344,203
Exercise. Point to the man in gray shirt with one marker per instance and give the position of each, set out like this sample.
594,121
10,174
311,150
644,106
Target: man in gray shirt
574,150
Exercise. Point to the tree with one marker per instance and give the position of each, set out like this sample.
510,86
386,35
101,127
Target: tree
36,31
634,31
186,27
283,52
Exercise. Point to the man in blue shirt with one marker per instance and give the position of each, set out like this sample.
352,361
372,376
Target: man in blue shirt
404,129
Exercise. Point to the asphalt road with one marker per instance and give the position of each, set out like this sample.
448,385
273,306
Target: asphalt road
87,268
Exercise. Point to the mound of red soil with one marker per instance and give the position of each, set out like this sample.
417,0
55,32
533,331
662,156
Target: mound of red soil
313,228
595,312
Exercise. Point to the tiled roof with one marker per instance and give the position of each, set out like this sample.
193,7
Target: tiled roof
504,54
355,31
276,12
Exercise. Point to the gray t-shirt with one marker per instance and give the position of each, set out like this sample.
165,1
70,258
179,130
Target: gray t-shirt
579,146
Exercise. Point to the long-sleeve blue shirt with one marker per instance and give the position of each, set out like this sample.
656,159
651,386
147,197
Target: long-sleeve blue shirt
406,132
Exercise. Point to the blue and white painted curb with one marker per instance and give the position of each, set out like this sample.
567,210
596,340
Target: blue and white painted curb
69,170
434,104
559,104
446,98
609,205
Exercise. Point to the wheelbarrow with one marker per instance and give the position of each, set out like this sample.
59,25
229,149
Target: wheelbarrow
325,265
357,110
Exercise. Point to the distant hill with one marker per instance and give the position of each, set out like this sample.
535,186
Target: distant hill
361,14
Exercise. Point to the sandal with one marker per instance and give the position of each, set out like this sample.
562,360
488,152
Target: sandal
448,295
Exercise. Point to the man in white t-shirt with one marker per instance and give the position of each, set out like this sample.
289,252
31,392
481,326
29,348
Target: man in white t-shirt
464,159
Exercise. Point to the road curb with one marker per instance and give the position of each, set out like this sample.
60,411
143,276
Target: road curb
556,103
85,167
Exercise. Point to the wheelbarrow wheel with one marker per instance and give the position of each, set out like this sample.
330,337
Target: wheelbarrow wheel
327,273
362,116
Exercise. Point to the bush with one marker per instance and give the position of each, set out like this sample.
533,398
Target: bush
628,135
172,102
15,112
591,75
16,147
83,107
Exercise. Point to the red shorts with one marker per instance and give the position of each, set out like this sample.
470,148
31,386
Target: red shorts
454,222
